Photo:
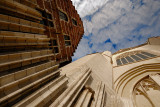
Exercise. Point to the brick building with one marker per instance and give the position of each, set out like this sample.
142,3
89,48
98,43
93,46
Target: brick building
43,24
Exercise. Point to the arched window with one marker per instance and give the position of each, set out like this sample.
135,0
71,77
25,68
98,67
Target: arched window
147,91
63,16
131,57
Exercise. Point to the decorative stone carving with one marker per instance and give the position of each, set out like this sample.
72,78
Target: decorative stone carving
148,90
128,54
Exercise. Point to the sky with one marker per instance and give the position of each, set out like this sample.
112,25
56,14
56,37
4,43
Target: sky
116,24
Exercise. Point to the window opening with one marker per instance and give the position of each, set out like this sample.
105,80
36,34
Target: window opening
67,40
51,24
66,37
49,16
142,56
118,62
67,43
56,50
124,61
74,22
63,16
135,57
149,54
55,43
129,59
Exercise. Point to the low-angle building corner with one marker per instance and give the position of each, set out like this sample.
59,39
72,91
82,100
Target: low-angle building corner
128,78
37,40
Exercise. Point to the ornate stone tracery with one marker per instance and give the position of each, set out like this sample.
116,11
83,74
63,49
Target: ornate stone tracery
128,54
148,91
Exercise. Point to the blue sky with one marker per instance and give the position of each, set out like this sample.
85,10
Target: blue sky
116,24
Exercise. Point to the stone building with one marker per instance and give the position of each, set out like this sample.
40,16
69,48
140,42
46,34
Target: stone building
38,36
128,78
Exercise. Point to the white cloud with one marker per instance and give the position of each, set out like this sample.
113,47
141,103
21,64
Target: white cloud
88,7
125,22
82,50
87,27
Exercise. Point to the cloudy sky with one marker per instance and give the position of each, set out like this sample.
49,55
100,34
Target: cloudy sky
116,24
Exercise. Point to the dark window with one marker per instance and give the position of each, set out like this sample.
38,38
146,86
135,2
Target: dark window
142,56
66,37
43,13
74,22
67,40
124,61
118,62
55,43
51,24
148,54
56,50
41,22
49,16
44,22
135,57
129,59
63,16
67,43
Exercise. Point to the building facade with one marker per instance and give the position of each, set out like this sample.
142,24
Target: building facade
128,78
136,74
36,36
43,24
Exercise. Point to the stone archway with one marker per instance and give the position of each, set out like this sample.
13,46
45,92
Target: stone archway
147,91
140,85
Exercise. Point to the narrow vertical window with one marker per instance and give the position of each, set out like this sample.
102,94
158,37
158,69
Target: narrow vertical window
149,54
51,24
56,50
119,62
124,61
55,46
129,59
135,57
142,56
67,40
55,43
